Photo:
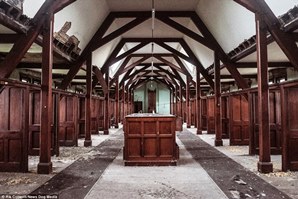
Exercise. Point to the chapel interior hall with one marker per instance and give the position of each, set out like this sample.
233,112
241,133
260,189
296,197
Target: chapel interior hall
149,98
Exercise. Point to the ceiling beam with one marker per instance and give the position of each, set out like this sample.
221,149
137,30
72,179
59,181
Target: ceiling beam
12,24
120,69
170,64
193,60
184,30
9,38
62,4
218,49
270,64
28,65
131,66
101,79
114,59
22,45
283,39
98,40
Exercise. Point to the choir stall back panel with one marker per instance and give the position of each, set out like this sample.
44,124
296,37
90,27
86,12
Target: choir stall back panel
100,114
290,128
193,112
94,120
150,140
204,113
210,115
239,120
275,123
225,116
13,129
68,121
34,124
112,109
81,118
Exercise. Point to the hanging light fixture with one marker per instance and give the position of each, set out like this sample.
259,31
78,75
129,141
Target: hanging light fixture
152,44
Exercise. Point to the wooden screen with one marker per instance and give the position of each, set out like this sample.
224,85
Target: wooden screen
275,123
225,116
94,115
100,114
34,125
68,115
210,115
13,129
193,112
81,117
290,128
239,120
204,113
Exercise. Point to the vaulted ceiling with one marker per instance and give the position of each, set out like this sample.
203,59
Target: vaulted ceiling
125,39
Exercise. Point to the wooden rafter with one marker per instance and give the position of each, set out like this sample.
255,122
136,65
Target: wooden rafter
22,45
173,76
62,4
218,49
283,39
98,40
9,38
123,55
101,79
184,30
131,66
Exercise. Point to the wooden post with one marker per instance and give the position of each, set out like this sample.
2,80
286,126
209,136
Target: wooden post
198,103
117,103
106,109
264,164
188,123
217,102
45,165
88,141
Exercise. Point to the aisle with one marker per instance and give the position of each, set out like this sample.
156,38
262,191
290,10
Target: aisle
187,180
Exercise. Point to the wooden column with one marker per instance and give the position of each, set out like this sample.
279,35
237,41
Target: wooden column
117,103
264,164
217,102
198,103
187,107
106,108
88,141
45,165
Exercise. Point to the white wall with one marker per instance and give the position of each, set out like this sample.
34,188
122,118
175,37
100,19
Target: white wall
162,98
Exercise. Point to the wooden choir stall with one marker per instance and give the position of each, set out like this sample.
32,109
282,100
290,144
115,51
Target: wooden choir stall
150,139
